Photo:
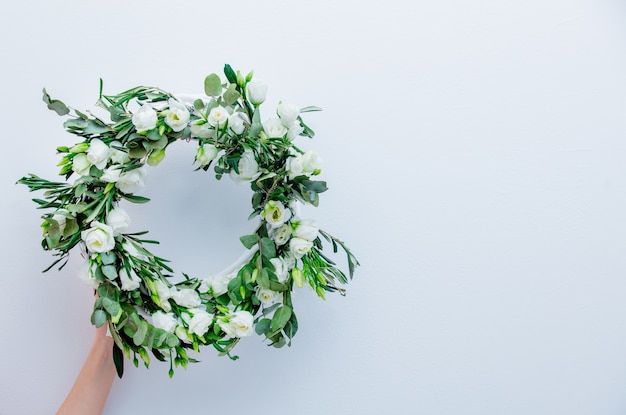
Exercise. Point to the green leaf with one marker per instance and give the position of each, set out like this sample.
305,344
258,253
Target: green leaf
268,249
110,271
135,198
310,108
230,74
249,240
140,334
111,306
231,95
213,85
118,359
54,104
281,317
98,318
262,326
108,258
256,127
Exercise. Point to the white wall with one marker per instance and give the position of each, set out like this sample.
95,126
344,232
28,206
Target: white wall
475,153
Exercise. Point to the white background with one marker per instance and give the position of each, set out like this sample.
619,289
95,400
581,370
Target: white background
475,153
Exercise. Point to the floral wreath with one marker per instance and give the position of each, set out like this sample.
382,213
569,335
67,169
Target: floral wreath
144,311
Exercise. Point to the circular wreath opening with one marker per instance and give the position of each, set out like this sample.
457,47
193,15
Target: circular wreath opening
146,312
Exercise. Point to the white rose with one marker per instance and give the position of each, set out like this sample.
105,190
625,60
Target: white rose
165,321
206,153
200,322
305,229
182,333
281,234
280,269
98,238
273,127
218,117
311,162
289,260
218,284
248,168
87,276
256,91
288,113
118,220
177,115
187,298
275,213
128,282
111,174
267,297
239,324
299,247
236,122
295,130
118,156
164,293
145,118
80,164
132,181
98,153
201,129
294,166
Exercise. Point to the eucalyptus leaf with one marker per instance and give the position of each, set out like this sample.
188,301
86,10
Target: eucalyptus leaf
249,240
213,85
98,318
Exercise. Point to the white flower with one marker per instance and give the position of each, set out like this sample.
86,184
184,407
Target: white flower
248,168
289,260
200,322
165,293
187,298
237,122
294,166
118,220
305,229
80,164
218,116
295,130
239,324
130,281
145,118
132,181
273,127
206,153
299,247
111,174
311,162
118,156
288,113
165,321
275,213
98,238
201,129
256,91
87,276
281,234
267,297
177,116
98,153
280,269
218,284
182,333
